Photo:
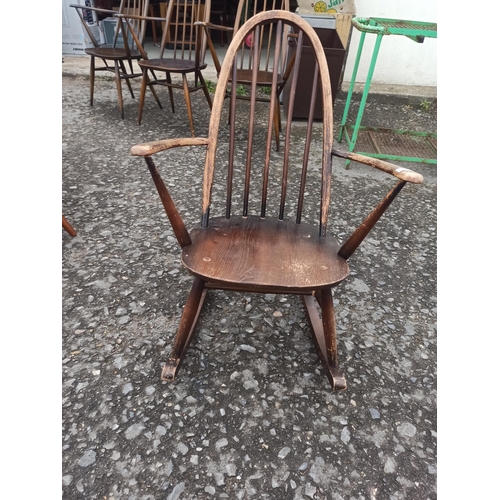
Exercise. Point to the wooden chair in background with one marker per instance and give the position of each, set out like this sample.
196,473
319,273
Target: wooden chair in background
114,56
261,48
220,11
269,244
182,52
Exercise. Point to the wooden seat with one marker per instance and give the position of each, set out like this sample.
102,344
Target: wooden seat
113,53
248,240
182,52
257,52
285,255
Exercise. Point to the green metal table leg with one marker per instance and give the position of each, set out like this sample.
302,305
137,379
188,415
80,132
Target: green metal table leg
364,97
351,87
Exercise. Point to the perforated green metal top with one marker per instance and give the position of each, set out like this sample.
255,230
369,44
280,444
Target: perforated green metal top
415,30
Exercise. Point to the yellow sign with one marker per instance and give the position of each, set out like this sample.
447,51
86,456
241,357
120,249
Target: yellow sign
327,6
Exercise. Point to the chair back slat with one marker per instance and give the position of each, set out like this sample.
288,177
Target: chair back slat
270,122
282,172
187,33
173,28
181,38
119,26
263,44
198,16
230,164
253,97
137,25
272,111
305,160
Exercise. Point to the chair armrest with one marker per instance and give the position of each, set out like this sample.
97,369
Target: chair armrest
140,18
207,26
213,26
95,9
151,148
404,174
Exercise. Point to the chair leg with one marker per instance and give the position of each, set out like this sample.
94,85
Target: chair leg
68,227
324,335
92,79
142,95
153,91
187,97
205,90
184,334
170,91
127,81
119,89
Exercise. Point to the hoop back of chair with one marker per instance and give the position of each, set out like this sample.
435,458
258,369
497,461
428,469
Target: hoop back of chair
257,174
180,35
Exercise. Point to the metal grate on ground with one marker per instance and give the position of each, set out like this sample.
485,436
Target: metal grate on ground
396,144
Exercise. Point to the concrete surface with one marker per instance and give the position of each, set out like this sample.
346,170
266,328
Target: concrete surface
252,414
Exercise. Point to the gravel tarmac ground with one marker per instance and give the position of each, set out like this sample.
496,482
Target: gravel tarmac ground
251,414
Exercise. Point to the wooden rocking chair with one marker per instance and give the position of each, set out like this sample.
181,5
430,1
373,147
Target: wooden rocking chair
266,253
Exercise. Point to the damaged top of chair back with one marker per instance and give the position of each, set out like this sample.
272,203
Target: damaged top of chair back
249,176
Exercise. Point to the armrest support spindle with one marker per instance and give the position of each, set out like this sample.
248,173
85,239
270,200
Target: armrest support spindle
147,149
403,174
173,215
356,238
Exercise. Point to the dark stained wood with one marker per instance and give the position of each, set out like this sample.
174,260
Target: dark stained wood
230,163
264,253
329,327
326,348
349,247
184,334
169,205
245,77
256,247
250,141
231,55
